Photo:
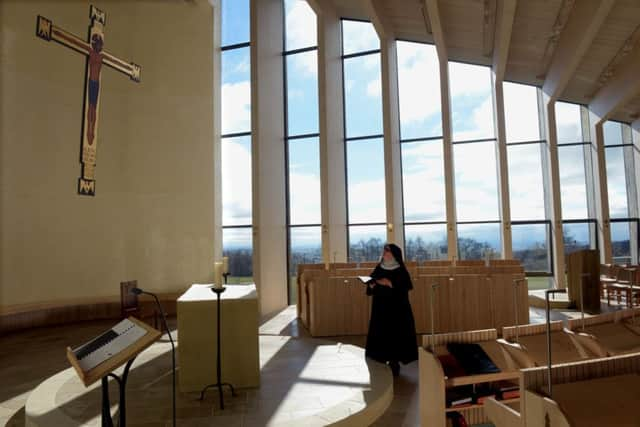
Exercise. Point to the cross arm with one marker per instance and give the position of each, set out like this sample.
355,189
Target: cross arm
129,68
47,31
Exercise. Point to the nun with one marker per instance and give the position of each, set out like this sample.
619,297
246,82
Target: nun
392,330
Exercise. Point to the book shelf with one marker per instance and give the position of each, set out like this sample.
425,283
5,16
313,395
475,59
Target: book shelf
433,383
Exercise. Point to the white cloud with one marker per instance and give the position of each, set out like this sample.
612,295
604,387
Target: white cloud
304,198
367,201
301,24
374,88
236,183
419,81
236,107
482,125
521,112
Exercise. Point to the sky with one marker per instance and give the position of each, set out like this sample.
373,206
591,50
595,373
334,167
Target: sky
476,180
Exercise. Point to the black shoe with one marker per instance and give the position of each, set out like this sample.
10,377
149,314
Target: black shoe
395,368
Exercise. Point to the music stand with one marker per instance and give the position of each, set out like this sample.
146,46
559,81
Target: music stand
105,370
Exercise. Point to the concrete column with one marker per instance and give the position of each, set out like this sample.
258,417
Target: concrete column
392,152
217,143
503,166
553,203
268,156
601,192
449,174
332,150
632,189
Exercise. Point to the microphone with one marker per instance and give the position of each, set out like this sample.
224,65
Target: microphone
138,291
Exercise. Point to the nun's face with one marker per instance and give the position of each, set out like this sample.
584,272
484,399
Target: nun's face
387,255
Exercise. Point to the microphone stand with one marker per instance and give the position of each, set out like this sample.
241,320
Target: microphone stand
138,291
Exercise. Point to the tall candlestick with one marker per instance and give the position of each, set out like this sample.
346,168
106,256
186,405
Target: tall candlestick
217,274
225,265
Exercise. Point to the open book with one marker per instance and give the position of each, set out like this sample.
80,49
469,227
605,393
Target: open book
365,279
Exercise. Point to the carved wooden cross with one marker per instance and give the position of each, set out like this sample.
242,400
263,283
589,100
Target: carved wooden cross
96,56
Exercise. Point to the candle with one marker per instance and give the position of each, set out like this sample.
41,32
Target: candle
217,275
225,265
326,266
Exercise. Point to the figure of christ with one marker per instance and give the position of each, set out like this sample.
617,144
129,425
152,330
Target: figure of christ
95,64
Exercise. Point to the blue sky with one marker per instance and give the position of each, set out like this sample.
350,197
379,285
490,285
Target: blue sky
420,117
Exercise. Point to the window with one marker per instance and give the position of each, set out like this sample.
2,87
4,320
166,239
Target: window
422,151
364,140
300,53
237,242
574,154
476,188
621,185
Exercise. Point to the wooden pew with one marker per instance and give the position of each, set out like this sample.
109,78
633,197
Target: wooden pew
607,334
596,392
531,347
433,383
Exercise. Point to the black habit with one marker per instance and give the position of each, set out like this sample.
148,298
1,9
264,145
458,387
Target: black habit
392,329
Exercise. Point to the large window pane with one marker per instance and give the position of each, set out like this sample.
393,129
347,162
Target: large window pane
616,183
568,123
471,101
612,133
358,36
476,181
476,241
304,181
236,91
236,181
305,248
237,244
577,236
235,22
302,93
300,22
521,112
366,242
526,190
419,90
423,181
366,181
425,242
363,96
621,242
573,184
531,246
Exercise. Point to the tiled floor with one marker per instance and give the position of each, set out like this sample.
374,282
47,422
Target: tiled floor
27,358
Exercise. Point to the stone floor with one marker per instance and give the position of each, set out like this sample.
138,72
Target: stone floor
28,358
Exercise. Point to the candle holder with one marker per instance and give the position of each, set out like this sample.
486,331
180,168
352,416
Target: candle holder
226,277
219,383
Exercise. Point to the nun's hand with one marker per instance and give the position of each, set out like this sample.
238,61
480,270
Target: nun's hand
384,282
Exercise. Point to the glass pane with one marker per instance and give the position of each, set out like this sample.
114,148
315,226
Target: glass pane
573,184
425,242
612,133
300,22
419,90
423,181
616,183
304,181
235,22
236,181
366,242
475,241
358,36
302,93
621,242
237,244
521,112
531,246
236,91
366,181
526,190
476,181
577,236
305,248
363,96
568,123
471,101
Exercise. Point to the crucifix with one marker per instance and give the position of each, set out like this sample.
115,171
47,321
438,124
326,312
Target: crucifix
96,56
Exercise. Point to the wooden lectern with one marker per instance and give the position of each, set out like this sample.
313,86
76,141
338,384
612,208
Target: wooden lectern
583,278
97,359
